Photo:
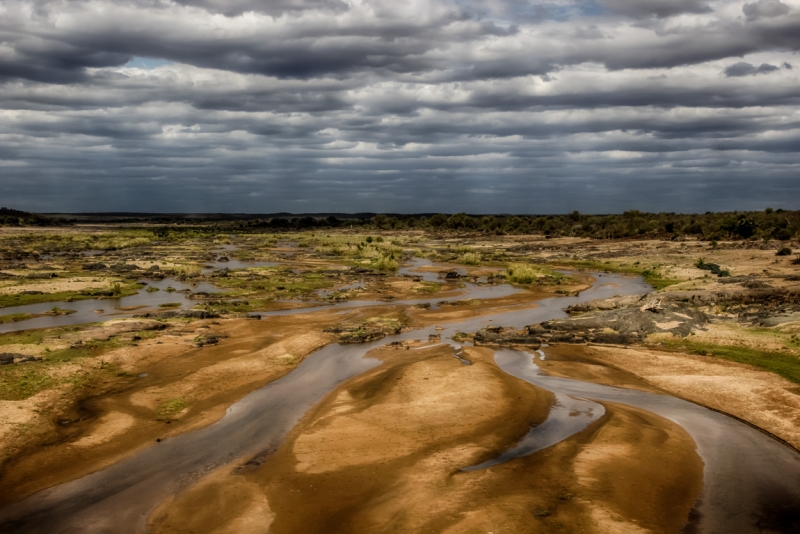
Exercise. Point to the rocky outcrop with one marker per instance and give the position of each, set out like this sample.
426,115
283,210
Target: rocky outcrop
362,332
180,314
616,324
202,341
7,358
497,335
106,331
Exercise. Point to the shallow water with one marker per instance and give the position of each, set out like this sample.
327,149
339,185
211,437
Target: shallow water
751,482
93,310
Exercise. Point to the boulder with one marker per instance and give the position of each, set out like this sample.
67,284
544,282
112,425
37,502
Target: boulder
7,358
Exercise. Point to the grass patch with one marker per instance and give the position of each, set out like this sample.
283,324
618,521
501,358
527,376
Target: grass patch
386,263
526,273
428,287
168,411
116,290
780,363
18,382
470,258
16,317
170,305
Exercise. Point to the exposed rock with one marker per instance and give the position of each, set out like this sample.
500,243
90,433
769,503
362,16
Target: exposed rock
123,267
41,276
493,335
108,330
183,314
363,332
7,358
617,325
202,341
25,359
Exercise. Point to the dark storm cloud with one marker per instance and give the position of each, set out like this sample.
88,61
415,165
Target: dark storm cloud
743,68
657,8
765,9
436,105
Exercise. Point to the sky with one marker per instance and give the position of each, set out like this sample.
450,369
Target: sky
399,106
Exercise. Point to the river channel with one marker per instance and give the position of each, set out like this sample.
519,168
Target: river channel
750,479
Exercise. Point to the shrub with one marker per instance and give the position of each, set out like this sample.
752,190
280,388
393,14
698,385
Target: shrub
470,258
187,269
387,263
169,410
523,273
713,267
785,251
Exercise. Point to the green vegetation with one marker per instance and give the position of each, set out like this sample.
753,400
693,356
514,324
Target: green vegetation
768,224
470,258
713,267
428,287
170,305
778,224
526,273
386,263
781,363
116,290
16,317
18,382
77,241
169,410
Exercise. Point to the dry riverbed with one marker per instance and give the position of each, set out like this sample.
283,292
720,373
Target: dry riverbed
383,451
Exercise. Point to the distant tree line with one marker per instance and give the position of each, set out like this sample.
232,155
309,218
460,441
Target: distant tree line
10,217
768,224
776,224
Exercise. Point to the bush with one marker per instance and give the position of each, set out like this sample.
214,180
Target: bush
523,273
713,267
470,258
785,251
387,263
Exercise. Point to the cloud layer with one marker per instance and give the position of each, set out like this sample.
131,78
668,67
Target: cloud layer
414,106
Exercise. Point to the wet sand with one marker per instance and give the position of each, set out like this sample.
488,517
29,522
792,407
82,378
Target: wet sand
384,453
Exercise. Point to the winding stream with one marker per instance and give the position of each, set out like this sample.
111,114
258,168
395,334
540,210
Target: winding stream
93,310
750,479
751,482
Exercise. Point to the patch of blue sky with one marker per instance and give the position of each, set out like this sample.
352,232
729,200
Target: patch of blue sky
532,11
147,62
